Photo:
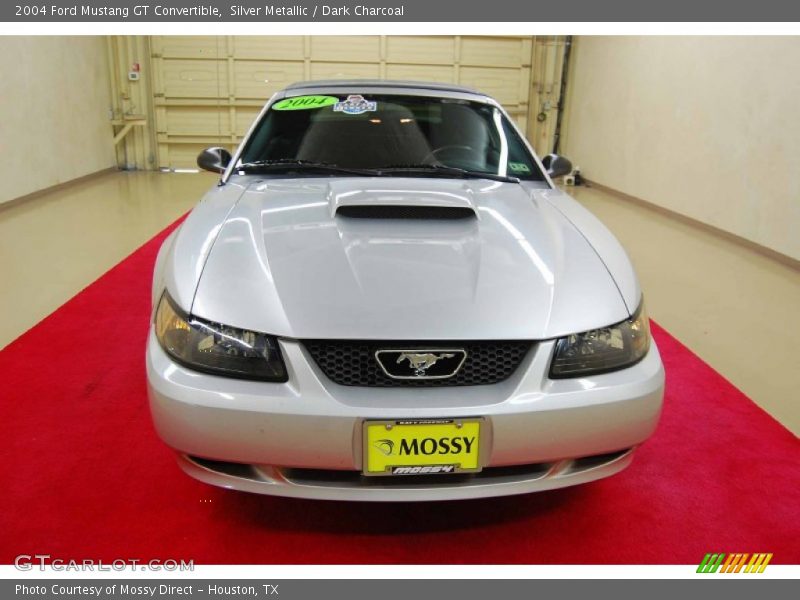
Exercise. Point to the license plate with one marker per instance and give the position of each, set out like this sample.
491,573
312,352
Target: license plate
422,447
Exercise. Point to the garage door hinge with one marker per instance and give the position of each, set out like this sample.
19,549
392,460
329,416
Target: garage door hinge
156,55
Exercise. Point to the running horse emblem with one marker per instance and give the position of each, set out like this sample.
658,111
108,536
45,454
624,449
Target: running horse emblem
421,362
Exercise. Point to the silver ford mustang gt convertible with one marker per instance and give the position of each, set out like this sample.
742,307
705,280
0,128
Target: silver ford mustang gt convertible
386,298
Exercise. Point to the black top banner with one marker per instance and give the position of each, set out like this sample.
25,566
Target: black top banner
402,11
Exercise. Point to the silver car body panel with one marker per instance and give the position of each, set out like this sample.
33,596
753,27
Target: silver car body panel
265,479
271,254
603,241
311,423
183,255
284,263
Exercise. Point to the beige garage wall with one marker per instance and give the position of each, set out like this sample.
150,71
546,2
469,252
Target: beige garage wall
708,127
54,104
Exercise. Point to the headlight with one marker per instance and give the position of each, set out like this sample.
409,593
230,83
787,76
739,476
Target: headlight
602,350
216,348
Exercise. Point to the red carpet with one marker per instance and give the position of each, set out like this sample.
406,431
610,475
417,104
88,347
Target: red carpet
84,475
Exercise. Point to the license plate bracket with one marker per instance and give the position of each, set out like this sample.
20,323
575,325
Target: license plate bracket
422,446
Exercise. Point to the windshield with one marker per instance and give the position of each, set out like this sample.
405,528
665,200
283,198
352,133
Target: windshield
390,132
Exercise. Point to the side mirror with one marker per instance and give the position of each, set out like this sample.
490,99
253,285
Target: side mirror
557,165
214,159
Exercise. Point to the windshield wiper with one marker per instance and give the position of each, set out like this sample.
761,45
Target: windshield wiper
444,171
291,164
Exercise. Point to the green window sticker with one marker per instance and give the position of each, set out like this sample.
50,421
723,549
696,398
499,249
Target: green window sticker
304,102
518,167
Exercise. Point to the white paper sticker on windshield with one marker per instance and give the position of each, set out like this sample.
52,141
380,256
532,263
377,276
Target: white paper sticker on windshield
355,104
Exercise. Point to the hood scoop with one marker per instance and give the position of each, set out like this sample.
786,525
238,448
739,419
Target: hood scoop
401,198
399,211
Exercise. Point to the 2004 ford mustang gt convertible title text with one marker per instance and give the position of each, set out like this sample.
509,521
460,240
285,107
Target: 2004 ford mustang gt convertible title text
386,298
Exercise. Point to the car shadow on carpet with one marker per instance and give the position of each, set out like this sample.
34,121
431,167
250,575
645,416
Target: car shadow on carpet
381,518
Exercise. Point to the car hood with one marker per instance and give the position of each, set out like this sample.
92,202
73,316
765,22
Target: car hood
480,260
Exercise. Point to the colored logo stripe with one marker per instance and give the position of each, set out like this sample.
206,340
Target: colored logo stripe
735,563
710,563
760,563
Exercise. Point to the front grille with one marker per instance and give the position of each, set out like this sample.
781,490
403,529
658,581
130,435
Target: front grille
353,362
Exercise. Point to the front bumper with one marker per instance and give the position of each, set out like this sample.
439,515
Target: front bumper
303,438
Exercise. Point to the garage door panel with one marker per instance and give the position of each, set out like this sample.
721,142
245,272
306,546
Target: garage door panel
191,120
421,50
502,84
194,78
190,46
244,119
440,74
344,71
257,79
495,52
278,47
346,48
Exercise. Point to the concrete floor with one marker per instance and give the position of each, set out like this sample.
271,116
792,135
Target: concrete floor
733,307
53,246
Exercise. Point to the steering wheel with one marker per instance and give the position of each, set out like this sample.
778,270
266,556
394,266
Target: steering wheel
434,154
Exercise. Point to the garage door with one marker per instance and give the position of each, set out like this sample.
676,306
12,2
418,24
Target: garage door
208,90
